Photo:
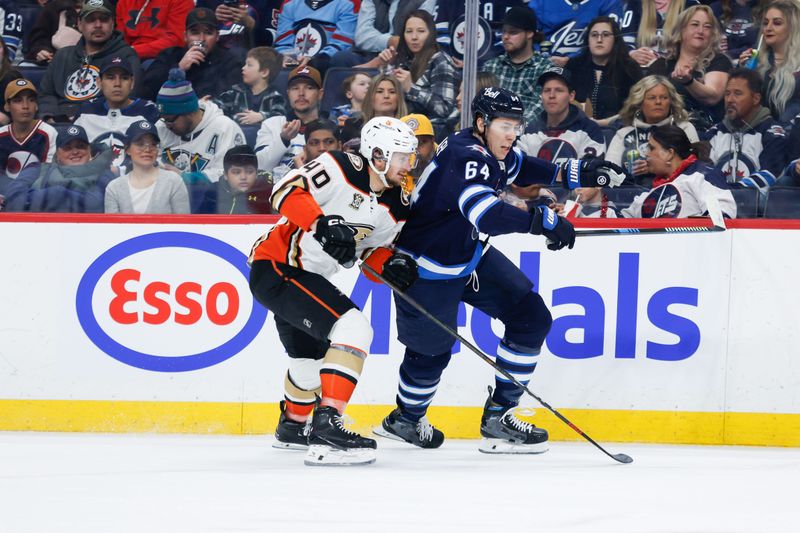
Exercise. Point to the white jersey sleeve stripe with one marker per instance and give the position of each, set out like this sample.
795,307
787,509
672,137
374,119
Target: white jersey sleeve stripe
477,210
471,192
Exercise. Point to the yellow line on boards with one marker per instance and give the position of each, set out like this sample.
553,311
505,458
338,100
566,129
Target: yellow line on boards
672,427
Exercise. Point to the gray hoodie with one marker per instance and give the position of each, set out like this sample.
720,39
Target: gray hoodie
73,76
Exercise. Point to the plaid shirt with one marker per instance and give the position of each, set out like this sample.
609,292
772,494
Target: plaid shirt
521,80
434,93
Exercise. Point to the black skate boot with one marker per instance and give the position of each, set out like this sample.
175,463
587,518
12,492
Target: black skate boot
290,434
420,433
503,432
330,443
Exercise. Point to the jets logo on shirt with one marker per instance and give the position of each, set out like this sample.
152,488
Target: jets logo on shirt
480,149
18,161
744,166
557,151
82,84
185,161
309,37
662,202
459,38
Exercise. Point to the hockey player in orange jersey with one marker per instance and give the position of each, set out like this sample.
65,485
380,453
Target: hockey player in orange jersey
336,209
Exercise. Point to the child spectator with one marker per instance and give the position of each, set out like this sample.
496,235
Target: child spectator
26,140
74,183
748,142
355,89
254,100
107,117
653,102
242,191
147,188
150,26
603,73
281,138
564,131
211,69
685,181
7,74
696,65
384,99
194,135
55,27
72,76
779,59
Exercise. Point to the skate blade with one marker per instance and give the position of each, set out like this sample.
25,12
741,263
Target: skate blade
501,446
289,446
381,432
321,455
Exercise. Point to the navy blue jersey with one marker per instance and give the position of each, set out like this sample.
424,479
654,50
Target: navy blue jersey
564,21
38,147
11,27
451,28
456,199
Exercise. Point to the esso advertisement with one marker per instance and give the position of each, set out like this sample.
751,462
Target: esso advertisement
169,302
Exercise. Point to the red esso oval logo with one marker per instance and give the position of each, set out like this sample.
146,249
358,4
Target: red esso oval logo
171,301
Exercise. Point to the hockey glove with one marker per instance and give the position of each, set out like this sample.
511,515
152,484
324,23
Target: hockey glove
592,172
400,270
558,230
337,239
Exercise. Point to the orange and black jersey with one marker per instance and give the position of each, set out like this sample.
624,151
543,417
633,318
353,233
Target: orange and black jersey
335,183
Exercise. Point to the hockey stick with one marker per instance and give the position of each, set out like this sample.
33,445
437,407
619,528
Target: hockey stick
620,457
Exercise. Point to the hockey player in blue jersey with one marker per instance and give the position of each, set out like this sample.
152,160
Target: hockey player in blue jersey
455,200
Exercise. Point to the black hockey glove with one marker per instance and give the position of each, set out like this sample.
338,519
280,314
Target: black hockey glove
558,230
337,239
593,172
400,270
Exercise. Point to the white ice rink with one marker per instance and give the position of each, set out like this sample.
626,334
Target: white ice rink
168,483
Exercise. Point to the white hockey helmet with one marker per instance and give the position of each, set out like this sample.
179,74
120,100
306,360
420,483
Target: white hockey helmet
389,135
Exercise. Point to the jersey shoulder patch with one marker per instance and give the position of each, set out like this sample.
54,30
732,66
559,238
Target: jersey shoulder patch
354,169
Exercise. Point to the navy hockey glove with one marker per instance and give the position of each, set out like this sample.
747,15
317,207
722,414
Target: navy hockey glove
338,239
592,172
400,270
558,230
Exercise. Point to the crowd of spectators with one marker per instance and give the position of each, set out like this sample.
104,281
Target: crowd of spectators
179,106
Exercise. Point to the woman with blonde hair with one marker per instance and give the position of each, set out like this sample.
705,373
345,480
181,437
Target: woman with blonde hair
695,63
653,101
658,18
384,99
779,58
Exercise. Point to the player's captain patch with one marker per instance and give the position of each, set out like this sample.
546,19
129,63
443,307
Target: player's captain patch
357,162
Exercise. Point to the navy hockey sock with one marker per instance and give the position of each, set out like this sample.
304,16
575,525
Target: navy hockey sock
419,379
518,361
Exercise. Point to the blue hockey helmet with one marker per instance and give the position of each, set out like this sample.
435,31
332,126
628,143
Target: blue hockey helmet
496,102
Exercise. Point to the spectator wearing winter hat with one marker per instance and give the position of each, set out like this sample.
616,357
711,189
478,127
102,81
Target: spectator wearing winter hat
75,182
242,191
147,188
150,26
73,75
210,68
106,117
194,135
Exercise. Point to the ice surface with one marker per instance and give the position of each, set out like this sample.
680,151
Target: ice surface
51,482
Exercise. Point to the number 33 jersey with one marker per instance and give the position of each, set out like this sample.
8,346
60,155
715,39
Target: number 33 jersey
335,183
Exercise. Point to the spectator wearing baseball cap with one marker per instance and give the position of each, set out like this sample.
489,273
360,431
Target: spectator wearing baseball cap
147,188
282,138
106,117
73,77
519,68
74,182
210,68
151,26
563,131
426,141
26,140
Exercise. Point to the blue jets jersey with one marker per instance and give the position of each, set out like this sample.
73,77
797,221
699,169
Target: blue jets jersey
11,27
451,28
456,199
311,27
564,21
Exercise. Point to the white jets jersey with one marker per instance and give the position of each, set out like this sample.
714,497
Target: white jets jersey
335,183
685,196
202,150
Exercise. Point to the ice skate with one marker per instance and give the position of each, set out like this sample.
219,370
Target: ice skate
503,432
290,434
330,443
420,433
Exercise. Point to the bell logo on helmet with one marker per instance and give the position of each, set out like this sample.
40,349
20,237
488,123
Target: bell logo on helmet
491,93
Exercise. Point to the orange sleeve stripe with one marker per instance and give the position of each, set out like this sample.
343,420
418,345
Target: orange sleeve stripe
376,260
300,208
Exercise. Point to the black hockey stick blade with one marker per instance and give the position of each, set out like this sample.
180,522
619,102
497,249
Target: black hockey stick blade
619,457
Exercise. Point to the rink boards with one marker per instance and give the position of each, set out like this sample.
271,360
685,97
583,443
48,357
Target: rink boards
147,324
